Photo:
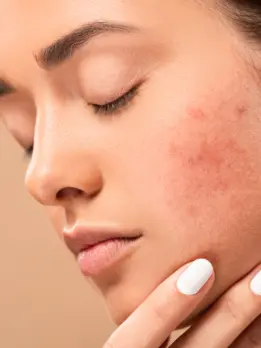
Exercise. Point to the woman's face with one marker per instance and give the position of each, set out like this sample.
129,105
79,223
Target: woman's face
179,160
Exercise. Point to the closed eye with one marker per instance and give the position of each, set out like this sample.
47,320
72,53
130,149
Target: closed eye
105,109
118,104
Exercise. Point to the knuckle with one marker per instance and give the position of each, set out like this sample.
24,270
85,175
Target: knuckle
160,313
234,308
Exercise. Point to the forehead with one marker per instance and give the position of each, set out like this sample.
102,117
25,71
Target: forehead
26,26
40,22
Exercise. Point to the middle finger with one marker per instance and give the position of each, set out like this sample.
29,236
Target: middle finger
228,317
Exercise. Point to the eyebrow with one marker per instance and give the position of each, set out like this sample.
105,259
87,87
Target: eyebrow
64,48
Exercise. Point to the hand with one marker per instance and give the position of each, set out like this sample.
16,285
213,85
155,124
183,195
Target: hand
174,299
233,321
226,324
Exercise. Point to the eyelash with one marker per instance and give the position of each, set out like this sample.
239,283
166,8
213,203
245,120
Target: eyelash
106,109
117,105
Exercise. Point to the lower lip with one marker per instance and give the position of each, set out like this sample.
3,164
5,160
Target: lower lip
101,256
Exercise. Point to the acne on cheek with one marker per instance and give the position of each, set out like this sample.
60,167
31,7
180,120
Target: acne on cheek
208,152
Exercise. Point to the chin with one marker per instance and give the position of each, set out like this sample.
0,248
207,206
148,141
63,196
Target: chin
129,290
119,316
120,307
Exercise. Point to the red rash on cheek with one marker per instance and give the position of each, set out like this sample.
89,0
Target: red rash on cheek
207,153
196,114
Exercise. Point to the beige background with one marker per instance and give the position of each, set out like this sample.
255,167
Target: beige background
45,301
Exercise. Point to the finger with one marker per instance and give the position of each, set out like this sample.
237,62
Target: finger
165,344
228,317
251,337
172,301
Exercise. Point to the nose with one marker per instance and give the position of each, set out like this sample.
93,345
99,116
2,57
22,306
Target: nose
63,167
56,182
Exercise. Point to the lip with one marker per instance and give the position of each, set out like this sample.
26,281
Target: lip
98,247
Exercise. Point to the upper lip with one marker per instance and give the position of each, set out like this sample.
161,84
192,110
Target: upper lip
81,237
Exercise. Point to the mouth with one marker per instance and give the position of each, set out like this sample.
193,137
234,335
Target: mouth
98,249
98,258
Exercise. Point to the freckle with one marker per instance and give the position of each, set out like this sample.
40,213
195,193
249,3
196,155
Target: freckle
240,111
196,113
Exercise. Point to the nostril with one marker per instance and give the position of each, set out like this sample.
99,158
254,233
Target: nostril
69,192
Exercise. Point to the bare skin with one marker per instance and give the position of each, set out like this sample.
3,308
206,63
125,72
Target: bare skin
232,322
181,162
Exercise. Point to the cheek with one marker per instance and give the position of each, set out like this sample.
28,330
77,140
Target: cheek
205,181
210,156
203,197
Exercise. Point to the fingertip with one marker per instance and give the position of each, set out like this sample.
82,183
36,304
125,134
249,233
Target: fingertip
195,277
255,284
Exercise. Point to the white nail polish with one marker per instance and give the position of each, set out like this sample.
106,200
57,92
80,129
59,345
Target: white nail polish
255,284
195,277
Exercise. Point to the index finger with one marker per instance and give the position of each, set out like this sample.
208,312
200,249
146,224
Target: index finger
172,301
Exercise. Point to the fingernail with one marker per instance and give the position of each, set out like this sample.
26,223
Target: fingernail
195,277
255,284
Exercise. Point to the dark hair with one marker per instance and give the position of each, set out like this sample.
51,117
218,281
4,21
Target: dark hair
246,14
